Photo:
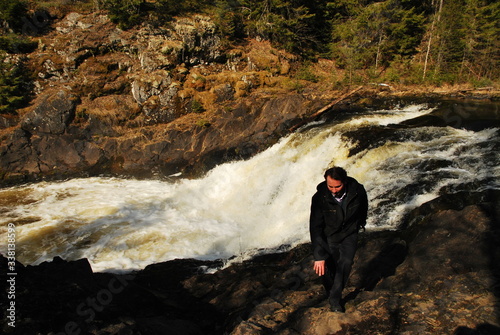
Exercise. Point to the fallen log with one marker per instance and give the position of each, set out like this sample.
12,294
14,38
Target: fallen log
324,109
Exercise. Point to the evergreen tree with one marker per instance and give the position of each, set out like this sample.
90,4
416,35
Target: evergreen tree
404,32
464,44
125,13
229,19
178,7
452,37
373,35
482,45
11,14
283,22
14,85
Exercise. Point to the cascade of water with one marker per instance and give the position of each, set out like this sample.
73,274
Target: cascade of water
242,206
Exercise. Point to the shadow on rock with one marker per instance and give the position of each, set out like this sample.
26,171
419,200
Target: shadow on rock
66,297
384,264
485,329
492,247
392,253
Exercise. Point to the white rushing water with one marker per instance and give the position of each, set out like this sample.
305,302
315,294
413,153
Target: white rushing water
243,206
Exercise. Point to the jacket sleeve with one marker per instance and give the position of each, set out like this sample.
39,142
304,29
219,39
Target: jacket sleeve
363,206
316,229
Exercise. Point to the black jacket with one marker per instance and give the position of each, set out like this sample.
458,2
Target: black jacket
328,222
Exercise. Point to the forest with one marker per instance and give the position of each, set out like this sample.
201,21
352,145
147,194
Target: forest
425,42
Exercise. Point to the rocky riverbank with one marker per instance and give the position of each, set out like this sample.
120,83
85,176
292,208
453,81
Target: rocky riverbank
145,102
151,102
440,275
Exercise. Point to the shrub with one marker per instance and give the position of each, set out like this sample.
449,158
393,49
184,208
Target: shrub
11,12
197,107
14,85
15,44
482,82
203,123
305,73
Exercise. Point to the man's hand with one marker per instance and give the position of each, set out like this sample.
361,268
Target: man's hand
319,267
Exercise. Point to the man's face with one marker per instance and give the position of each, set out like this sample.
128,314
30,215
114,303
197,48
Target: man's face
335,186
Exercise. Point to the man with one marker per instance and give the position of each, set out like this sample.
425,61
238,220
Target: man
338,211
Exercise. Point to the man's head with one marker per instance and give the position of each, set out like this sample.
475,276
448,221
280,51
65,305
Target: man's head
336,178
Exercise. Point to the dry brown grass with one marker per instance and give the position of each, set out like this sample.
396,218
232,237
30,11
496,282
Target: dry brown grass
110,109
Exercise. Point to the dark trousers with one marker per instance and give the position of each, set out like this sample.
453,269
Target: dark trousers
338,267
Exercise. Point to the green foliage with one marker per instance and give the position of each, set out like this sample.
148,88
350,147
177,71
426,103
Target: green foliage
129,13
197,106
305,73
287,24
452,35
460,37
203,123
482,45
405,33
125,13
15,44
399,41
465,45
402,71
177,7
293,85
374,35
14,85
14,77
12,12
482,82
229,19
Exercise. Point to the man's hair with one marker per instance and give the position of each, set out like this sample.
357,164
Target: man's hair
336,173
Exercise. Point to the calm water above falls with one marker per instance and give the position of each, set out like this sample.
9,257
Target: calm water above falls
263,202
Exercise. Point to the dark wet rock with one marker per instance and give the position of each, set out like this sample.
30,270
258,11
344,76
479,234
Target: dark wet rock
440,275
8,120
150,102
49,145
51,115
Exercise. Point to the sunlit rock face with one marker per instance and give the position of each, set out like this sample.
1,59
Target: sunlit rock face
427,275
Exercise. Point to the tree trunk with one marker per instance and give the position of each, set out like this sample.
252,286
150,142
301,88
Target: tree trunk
436,20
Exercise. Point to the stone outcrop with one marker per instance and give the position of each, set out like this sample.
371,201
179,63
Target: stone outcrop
50,142
52,115
145,102
153,101
440,275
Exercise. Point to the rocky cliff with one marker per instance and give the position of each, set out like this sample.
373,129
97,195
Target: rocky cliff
441,275
151,102
147,102
156,101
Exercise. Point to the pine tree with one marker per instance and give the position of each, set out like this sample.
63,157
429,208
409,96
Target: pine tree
125,13
482,45
375,34
11,12
283,22
229,19
14,85
452,37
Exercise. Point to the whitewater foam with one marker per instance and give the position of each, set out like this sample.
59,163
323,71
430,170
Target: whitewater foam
242,207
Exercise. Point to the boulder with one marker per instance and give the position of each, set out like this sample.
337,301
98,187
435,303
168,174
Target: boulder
424,279
51,115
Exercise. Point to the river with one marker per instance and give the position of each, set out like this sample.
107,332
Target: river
405,156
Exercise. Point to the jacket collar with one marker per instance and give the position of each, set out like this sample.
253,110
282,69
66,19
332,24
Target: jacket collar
350,188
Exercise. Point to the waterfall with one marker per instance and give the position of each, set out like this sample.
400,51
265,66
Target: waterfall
244,207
